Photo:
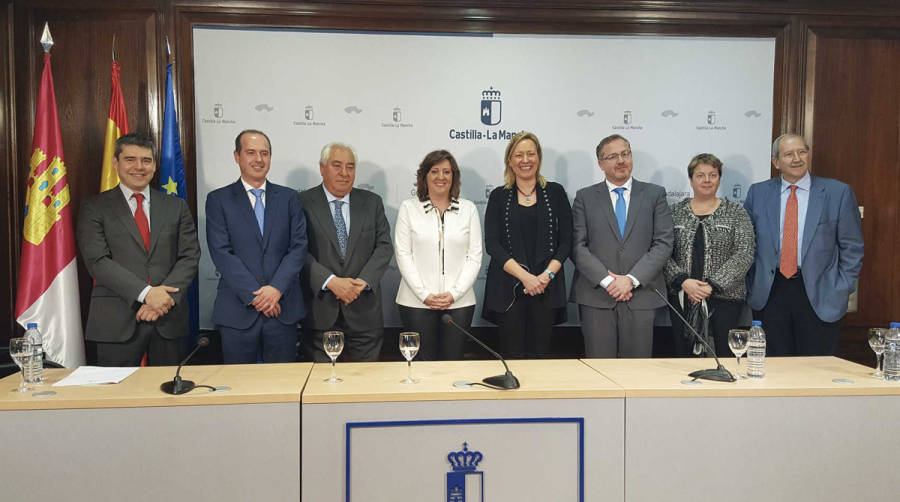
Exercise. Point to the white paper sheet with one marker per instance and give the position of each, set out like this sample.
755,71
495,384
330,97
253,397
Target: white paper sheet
89,375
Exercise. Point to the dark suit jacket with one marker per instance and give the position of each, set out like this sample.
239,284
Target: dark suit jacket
554,236
598,249
369,251
831,247
247,260
114,255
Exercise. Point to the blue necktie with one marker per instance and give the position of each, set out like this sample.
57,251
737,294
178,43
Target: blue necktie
258,208
340,226
621,211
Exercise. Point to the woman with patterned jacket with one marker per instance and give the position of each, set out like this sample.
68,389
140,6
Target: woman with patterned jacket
528,234
713,250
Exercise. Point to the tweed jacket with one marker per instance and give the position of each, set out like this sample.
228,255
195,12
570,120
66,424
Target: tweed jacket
730,244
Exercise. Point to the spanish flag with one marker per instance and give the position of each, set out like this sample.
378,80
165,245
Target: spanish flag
116,127
48,278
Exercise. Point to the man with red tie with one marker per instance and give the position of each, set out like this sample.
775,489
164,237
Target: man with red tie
808,253
141,248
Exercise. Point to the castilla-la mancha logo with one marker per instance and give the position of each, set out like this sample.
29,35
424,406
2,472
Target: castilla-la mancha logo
490,107
464,482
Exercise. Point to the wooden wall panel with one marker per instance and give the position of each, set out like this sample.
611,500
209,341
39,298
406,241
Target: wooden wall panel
8,158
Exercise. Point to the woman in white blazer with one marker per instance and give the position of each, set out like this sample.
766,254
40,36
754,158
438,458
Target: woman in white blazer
437,241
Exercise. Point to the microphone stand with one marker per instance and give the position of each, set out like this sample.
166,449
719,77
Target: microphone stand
505,381
177,385
717,374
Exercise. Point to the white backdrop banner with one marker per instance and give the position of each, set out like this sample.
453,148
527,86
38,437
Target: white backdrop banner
397,96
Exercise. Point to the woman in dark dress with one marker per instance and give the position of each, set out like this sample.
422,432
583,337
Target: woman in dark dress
528,235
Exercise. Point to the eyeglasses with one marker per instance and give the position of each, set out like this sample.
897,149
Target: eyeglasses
616,156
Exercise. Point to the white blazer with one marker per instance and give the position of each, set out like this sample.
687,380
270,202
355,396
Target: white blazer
434,256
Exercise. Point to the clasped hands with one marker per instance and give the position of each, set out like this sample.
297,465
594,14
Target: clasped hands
439,301
157,303
696,291
535,284
620,288
266,301
346,289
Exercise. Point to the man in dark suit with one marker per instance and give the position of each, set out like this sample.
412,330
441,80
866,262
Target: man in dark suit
349,250
141,265
256,231
808,254
623,235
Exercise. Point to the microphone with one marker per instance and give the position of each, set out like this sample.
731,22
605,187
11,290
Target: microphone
505,381
718,374
177,385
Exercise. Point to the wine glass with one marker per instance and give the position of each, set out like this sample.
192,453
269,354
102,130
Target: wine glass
876,342
22,353
333,342
409,347
737,342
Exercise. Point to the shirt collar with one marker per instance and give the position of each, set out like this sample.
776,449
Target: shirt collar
248,186
127,192
428,206
803,183
626,185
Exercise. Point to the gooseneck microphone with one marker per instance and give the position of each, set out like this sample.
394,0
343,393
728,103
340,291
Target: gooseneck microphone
177,385
505,381
718,374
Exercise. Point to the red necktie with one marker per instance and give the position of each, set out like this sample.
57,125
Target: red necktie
788,264
140,218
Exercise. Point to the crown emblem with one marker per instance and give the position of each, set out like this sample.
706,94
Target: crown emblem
490,94
464,460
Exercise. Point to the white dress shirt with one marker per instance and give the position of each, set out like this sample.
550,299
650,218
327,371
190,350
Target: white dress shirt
248,187
614,197
132,204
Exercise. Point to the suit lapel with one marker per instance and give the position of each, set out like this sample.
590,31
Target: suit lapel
813,212
772,202
357,216
634,206
321,210
123,212
606,207
244,208
271,209
158,214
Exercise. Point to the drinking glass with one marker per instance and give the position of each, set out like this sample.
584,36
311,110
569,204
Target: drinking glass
333,342
409,347
737,342
22,353
876,342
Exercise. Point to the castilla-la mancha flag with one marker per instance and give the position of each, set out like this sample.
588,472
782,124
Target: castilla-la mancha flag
48,278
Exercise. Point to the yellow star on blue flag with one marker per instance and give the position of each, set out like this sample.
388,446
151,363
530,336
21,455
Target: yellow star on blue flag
171,187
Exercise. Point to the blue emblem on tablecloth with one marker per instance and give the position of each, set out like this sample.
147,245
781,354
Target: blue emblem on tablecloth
490,107
464,482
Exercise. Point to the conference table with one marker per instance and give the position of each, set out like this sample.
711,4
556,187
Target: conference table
130,441
815,428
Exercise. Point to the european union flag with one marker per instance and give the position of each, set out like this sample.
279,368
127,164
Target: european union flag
172,181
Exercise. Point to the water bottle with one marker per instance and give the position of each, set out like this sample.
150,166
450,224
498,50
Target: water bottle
756,351
892,353
34,367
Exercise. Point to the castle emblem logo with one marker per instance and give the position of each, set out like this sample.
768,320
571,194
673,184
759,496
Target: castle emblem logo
218,110
464,482
398,114
626,117
309,113
711,117
490,107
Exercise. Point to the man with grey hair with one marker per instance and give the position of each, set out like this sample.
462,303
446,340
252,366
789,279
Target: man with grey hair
349,251
808,254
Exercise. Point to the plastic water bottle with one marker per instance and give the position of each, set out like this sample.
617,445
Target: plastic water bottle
34,370
756,351
892,353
